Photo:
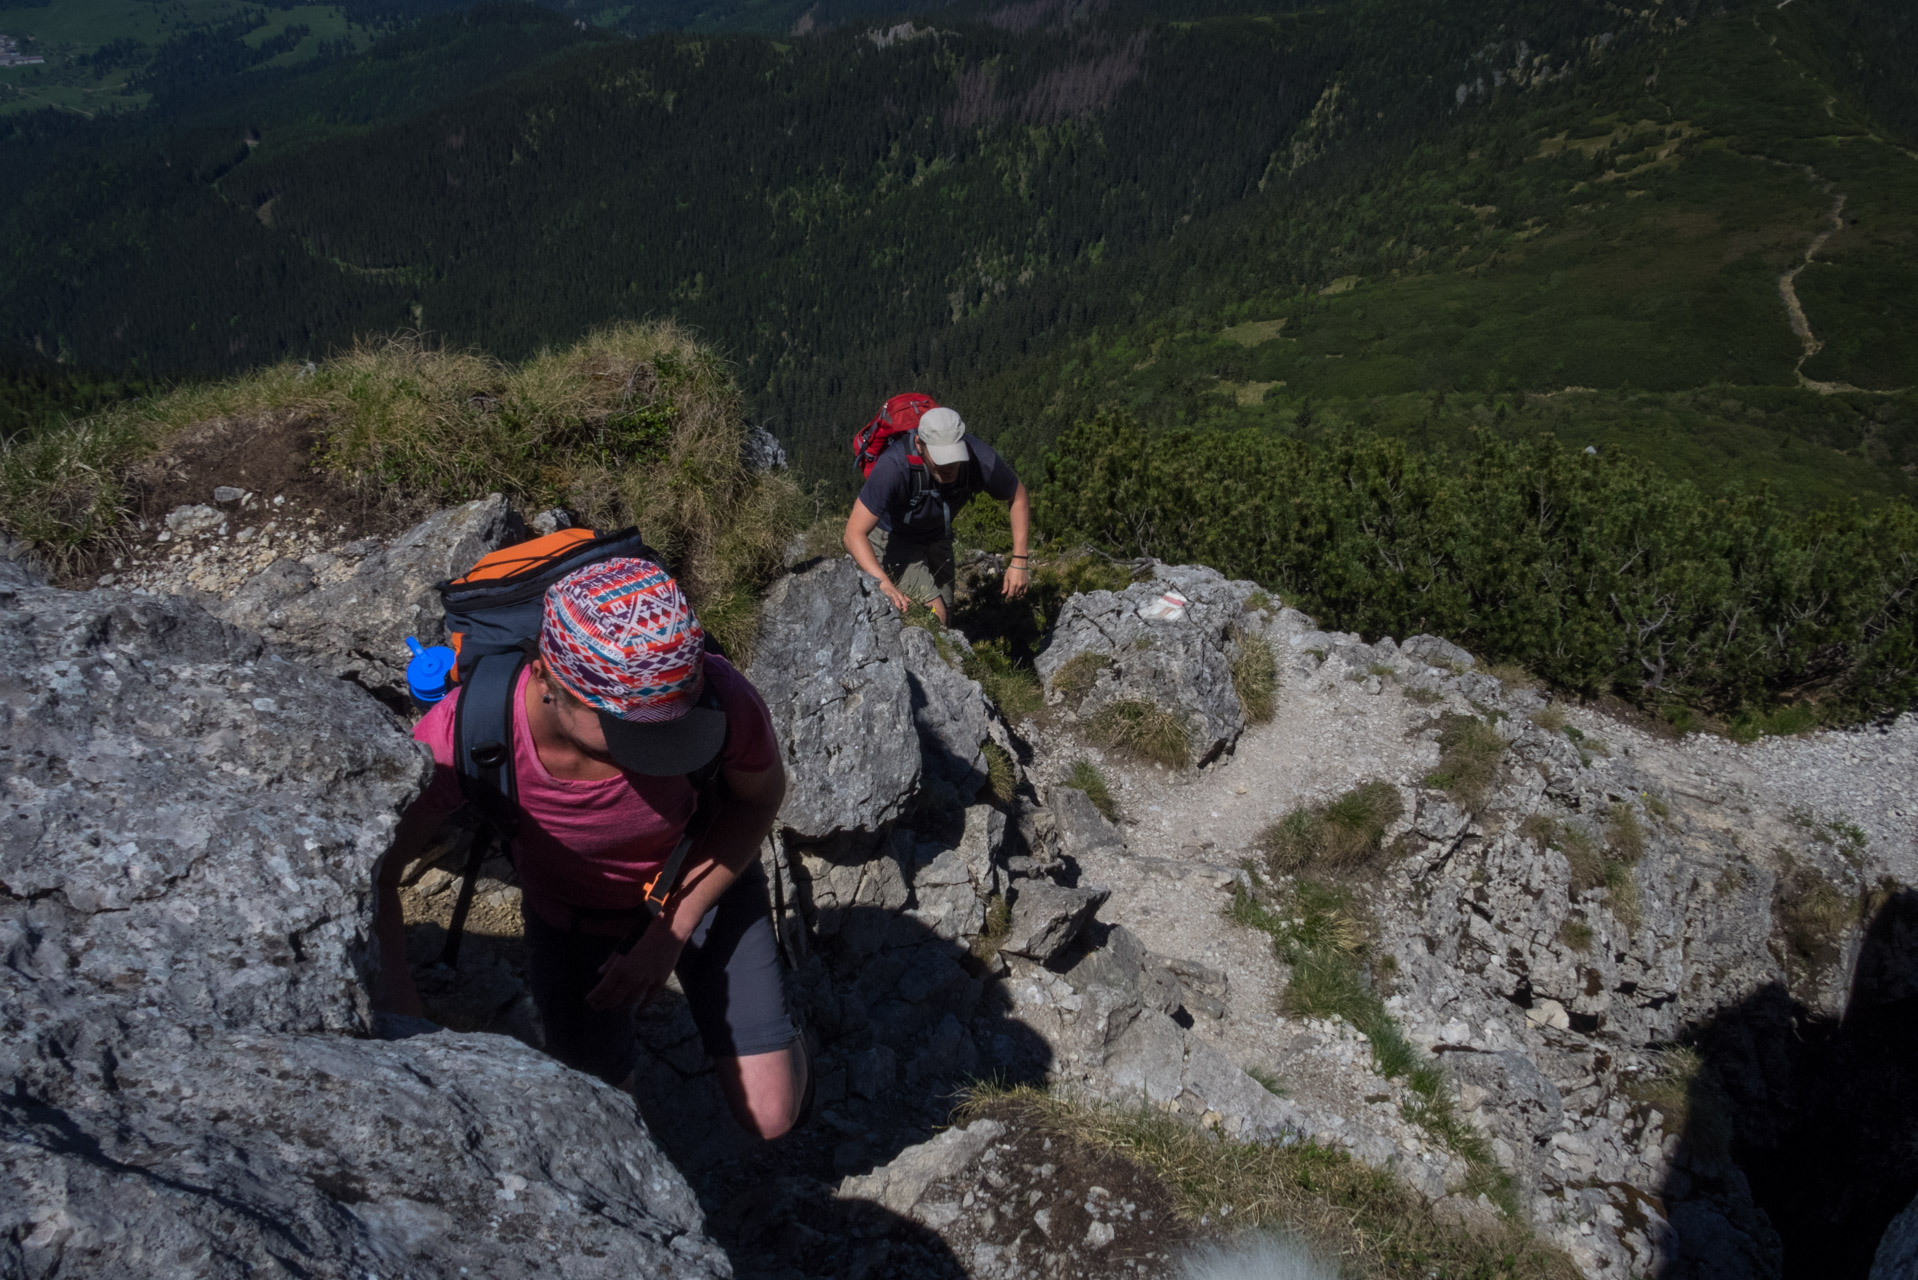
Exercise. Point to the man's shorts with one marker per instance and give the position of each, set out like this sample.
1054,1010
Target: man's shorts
730,972
923,570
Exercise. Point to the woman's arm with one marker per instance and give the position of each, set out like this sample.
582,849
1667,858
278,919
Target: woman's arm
746,815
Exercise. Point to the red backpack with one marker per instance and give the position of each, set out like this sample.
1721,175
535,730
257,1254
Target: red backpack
898,416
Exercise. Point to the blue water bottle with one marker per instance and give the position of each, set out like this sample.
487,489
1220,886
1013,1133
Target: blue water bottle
430,674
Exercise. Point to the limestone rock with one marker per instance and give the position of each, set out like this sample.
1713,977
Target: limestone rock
1172,655
350,611
899,1185
1046,917
1897,1257
192,819
831,667
130,1148
949,710
1082,828
19,567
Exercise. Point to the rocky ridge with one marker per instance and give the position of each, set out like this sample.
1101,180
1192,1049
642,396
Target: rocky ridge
940,931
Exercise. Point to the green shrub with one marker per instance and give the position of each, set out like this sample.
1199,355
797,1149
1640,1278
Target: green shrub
1255,676
1144,731
1339,835
1596,572
1469,755
1085,776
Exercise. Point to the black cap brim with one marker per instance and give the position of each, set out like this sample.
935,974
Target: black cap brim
665,747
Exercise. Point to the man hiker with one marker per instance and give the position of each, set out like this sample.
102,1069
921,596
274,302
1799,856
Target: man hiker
900,529
621,704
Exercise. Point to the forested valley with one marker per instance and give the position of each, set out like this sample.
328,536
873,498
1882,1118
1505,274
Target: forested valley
1680,237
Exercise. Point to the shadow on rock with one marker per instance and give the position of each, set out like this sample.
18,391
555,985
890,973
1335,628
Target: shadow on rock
1800,1140
902,1019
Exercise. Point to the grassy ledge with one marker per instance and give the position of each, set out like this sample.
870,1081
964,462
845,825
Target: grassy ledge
1374,1225
635,424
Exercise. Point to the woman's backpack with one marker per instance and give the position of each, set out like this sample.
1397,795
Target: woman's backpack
493,616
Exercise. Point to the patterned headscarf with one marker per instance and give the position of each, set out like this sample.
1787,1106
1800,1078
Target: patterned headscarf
621,637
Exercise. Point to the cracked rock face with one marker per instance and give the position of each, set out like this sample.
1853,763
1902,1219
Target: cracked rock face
140,1148
350,610
191,820
832,669
1166,641
191,823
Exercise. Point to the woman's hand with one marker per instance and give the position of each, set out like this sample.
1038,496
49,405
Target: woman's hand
1017,579
640,974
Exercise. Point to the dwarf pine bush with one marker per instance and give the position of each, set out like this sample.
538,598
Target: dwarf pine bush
1595,572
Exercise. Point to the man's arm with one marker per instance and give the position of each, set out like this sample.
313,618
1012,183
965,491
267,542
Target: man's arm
859,524
746,814
1018,574
393,989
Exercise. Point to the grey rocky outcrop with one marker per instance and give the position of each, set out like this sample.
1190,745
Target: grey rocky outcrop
133,1147
832,668
1151,648
191,818
192,823
349,610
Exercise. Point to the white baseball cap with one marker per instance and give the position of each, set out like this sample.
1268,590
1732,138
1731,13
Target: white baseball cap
942,434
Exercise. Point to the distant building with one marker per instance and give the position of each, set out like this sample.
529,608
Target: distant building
10,55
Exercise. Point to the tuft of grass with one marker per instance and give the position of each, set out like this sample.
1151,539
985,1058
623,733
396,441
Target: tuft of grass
1343,833
1376,1226
1469,755
1685,1089
1656,806
633,424
1551,718
998,928
1074,680
1144,731
1512,675
1424,695
1258,602
1577,935
1013,687
1085,776
1810,913
1268,1080
1624,834
1255,676
1002,778
1320,933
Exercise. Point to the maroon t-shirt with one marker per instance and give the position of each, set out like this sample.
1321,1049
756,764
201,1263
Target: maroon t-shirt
594,845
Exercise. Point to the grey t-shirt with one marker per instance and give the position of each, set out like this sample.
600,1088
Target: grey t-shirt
888,490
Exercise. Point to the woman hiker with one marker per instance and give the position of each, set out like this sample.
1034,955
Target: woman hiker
613,714
900,529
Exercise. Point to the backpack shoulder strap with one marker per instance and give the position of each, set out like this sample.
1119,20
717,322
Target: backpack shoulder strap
483,761
483,738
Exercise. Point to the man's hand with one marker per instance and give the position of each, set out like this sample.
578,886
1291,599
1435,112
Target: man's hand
640,974
900,600
1017,579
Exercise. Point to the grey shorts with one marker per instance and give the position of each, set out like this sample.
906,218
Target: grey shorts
923,570
730,971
